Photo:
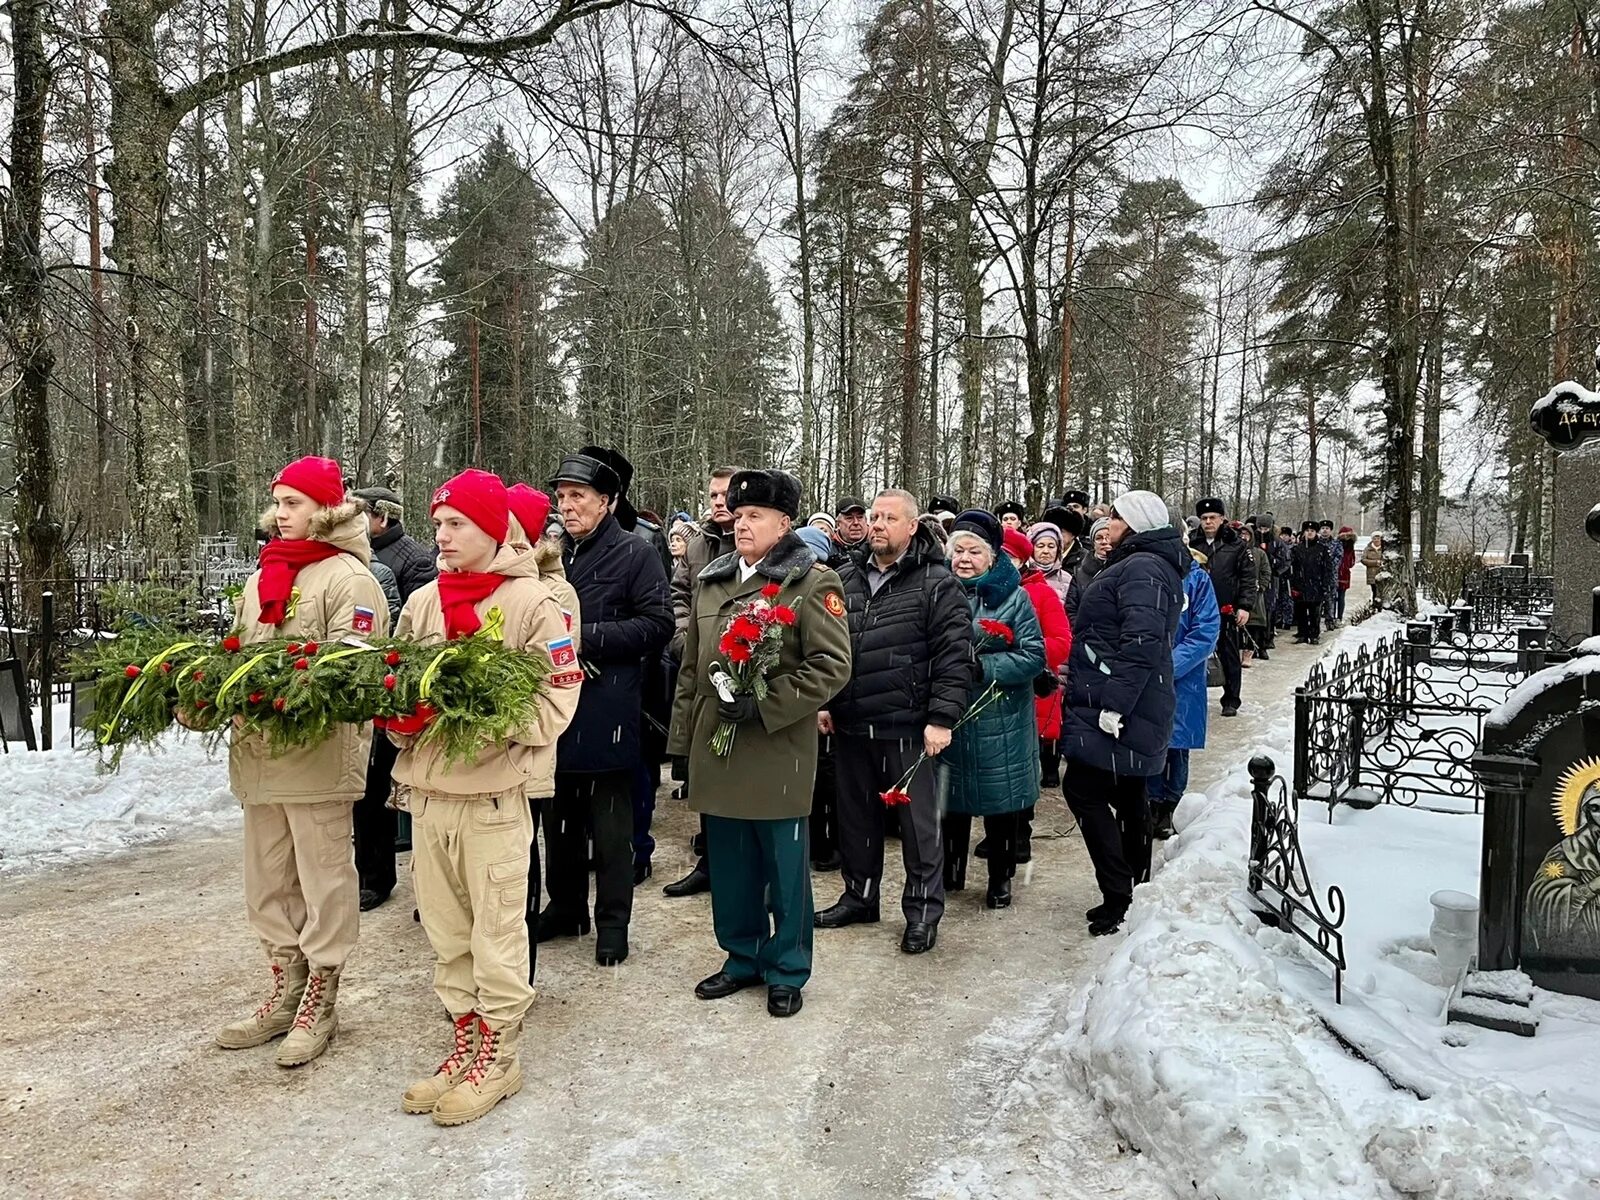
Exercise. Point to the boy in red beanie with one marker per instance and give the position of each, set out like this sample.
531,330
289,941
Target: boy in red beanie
471,824
300,883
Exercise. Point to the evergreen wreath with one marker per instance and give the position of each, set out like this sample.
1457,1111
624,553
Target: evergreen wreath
296,694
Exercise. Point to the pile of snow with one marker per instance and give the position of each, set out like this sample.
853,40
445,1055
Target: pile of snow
1214,1044
59,806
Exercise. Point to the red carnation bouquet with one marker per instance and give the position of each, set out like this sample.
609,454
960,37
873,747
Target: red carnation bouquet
751,643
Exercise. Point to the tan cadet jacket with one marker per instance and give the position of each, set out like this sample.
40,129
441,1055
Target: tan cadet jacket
332,599
531,620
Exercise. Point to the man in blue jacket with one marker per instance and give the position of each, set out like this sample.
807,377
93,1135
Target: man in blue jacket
1196,638
1120,696
626,611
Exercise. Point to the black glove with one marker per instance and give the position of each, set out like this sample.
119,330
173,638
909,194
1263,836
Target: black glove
740,709
680,769
1045,684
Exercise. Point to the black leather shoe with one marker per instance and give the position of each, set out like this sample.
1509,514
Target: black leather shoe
829,862
919,937
642,871
1230,710
1099,910
783,1000
981,850
553,924
371,898
1024,852
611,947
844,913
1162,829
1106,924
715,987
998,895
692,884
416,915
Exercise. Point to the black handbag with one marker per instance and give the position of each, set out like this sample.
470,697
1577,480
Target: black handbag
1213,672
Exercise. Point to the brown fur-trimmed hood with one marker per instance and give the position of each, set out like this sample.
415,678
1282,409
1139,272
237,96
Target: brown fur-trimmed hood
343,525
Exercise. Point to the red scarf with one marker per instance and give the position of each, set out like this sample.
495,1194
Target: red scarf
458,592
280,563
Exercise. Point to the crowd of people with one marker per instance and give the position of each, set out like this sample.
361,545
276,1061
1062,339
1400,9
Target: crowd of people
886,671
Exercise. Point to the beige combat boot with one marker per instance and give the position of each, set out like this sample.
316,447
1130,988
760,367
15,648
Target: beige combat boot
275,1016
316,1021
421,1096
493,1075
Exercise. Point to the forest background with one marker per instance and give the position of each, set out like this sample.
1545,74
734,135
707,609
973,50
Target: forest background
1318,256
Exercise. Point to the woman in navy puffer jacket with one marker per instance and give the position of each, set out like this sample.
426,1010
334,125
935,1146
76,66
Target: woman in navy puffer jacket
992,765
1121,696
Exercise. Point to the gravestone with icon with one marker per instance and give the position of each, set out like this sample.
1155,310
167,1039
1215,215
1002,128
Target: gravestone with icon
1539,897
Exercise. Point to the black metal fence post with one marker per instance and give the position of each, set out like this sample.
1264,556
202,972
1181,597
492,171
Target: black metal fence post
47,633
1531,644
1462,612
1261,772
1302,743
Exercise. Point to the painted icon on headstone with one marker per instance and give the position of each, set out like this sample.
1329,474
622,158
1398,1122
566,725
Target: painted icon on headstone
1562,915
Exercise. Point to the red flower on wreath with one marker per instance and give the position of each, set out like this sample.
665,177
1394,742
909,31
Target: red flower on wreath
997,629
301,664
132,671
292,648
231,644
392,658
771,590
166,668
277,705
310,649
389,681
199,677
255,697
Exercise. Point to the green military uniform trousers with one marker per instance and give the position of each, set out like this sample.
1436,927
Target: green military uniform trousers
761,903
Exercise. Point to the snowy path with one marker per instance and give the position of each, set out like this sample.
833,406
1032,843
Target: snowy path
1035,1139
903,1076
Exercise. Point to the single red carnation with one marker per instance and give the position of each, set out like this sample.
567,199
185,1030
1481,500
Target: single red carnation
894,796
745,630
277,705
166,668
997,629
311,648
392,658
199,676
301,664
231,644
783,614
255,697
132,671
389,681
739,654
771,590
292,648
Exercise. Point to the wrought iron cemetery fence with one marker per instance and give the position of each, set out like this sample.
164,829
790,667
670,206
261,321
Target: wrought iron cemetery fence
1279,880
1505,596
83,604
1398,722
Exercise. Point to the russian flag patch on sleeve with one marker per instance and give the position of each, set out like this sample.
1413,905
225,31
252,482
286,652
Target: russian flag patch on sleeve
363,620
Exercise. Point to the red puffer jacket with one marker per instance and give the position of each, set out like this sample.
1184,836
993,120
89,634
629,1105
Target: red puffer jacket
1057,629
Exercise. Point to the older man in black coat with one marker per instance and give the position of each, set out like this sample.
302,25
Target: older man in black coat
626,611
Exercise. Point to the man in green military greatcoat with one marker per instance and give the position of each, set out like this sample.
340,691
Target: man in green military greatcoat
757,797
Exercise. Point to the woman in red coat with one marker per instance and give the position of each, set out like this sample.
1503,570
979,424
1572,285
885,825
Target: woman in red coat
1057,629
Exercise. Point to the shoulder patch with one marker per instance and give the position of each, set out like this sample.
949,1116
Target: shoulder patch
834,603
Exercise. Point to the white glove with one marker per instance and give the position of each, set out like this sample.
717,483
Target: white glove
1111,722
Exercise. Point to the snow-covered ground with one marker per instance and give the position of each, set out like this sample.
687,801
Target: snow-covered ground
58,806
1213,1044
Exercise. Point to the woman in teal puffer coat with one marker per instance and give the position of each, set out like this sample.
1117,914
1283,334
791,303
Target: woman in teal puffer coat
992,765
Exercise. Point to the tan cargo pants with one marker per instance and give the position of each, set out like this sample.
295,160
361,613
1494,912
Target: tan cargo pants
470,868
300,884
